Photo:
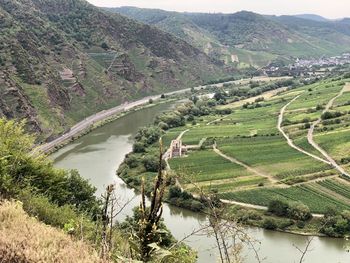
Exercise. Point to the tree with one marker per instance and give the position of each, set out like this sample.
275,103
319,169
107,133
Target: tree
105,46
278,207
150,163
150,217
299,211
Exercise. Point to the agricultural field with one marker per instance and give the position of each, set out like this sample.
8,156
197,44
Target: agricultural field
314,198
253,162
271,155
206,166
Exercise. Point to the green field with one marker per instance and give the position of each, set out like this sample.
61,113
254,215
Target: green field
272,155
207,166
250,136
317,201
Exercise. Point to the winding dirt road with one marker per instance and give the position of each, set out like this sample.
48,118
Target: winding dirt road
310,135
289,140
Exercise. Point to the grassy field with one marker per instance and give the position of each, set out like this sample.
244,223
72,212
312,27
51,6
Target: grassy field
207,166
317,200
250,136
272,155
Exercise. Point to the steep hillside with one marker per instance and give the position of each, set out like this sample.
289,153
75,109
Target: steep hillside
336,32
247,37
61,61
21,236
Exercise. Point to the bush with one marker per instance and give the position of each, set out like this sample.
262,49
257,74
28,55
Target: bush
174,192
132,161
139,147
150,163
301,224
278,207
104,46
51,214
244,216
163,126
330,115
270,224
299,211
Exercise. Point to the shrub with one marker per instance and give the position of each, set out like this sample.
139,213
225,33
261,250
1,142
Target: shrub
245,215
270,224
278,207
163,126
139,147
301,224
104,46
299,211
174,192
150,163
132,161
39,206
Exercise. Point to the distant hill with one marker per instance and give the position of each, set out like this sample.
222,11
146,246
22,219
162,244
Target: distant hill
249,38
313,17
62,60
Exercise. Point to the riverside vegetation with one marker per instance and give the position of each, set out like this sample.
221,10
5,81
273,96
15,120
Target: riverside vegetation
36,198
237,153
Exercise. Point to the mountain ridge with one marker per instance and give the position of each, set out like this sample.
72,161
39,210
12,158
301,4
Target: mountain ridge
246,36
62,61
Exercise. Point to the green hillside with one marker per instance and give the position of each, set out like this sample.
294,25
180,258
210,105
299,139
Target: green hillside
246,38
61,61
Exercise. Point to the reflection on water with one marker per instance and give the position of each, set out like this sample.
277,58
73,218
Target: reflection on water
97,156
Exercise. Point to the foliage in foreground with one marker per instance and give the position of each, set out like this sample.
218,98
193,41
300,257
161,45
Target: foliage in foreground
25,239
61,199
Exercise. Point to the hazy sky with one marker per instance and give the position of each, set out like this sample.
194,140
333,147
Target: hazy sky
327,8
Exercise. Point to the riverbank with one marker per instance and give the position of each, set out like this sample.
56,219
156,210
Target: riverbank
86,129
105,116
98,154
185,119
194,205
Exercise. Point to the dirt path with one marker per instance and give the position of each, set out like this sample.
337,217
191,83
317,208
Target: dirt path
310,135
214,121
290,141
258,207
249,168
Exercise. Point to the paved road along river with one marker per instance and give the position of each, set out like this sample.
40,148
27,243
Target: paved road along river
97,156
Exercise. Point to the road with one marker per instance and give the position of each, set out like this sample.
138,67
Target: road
258,207
289,140
310,136
103,115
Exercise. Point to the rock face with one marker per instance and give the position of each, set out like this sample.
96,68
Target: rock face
62,60
14,104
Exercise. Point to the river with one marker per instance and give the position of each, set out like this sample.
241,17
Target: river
97,156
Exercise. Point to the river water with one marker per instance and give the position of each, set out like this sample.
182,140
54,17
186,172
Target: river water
97,156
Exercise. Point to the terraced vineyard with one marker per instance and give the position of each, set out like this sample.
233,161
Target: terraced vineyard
257,165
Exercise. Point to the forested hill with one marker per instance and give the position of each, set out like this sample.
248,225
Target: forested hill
250,38
62,60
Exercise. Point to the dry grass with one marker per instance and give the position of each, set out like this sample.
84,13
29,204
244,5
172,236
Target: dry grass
25,239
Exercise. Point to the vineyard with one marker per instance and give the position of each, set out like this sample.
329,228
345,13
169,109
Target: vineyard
316,200
256,164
